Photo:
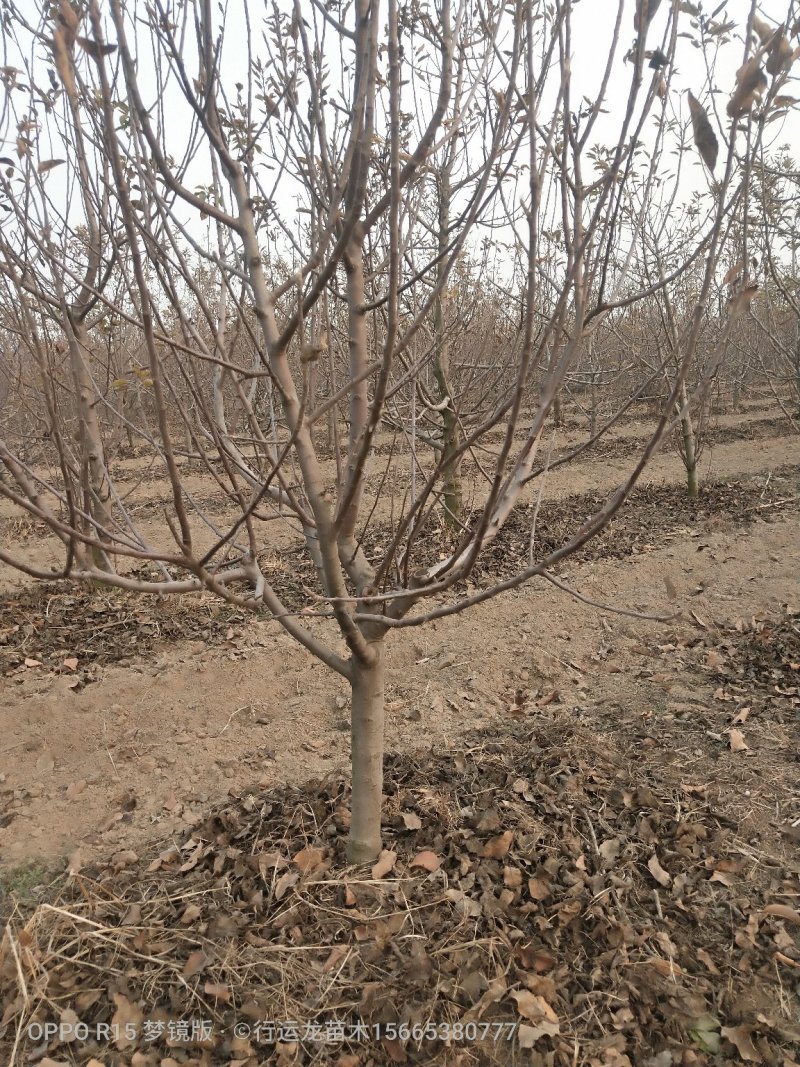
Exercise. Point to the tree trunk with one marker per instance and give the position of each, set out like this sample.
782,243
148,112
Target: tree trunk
558,417
367,757
441,367
689,444
91,444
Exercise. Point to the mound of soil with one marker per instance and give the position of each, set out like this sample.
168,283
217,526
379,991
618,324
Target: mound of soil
537,902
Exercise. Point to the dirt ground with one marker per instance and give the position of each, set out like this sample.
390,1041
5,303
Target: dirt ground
107,753
591,824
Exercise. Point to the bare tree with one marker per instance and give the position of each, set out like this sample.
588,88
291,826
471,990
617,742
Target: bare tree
308,158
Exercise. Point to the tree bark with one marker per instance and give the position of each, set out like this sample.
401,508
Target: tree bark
451,459
91,443
689,444
366,735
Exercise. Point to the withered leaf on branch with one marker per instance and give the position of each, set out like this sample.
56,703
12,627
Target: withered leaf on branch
763,29
63,60
780,55
645,10
94,49
70,20
733,273
704,137
750,82
48,164
741,302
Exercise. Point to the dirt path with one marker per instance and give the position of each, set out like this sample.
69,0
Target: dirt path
142,750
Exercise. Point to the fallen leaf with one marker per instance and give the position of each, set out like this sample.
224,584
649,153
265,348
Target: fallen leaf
740,1036
74,789
705,1034
705,959
412,820
385,863
426,859
536,1009
286,881
737,741
71,663
30,662
609,850
218,991
125,1021
497,847
658,872
308,858
195,963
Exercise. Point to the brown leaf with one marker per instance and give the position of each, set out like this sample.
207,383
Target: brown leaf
218,991
666,968
394,1050
780,55
705,959
31,662
658,872
308,858
742,300
497,847
538,1011
71,663
426,859
286,881
740,1036
609,850
95,50
74,789
539,887
384,864
645,10
191,913
195,963
704,137
62,48
335,957
783,911
125,1021
737,741
512,877
763,29
46,165
412,821
750,83
733,273
69,19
